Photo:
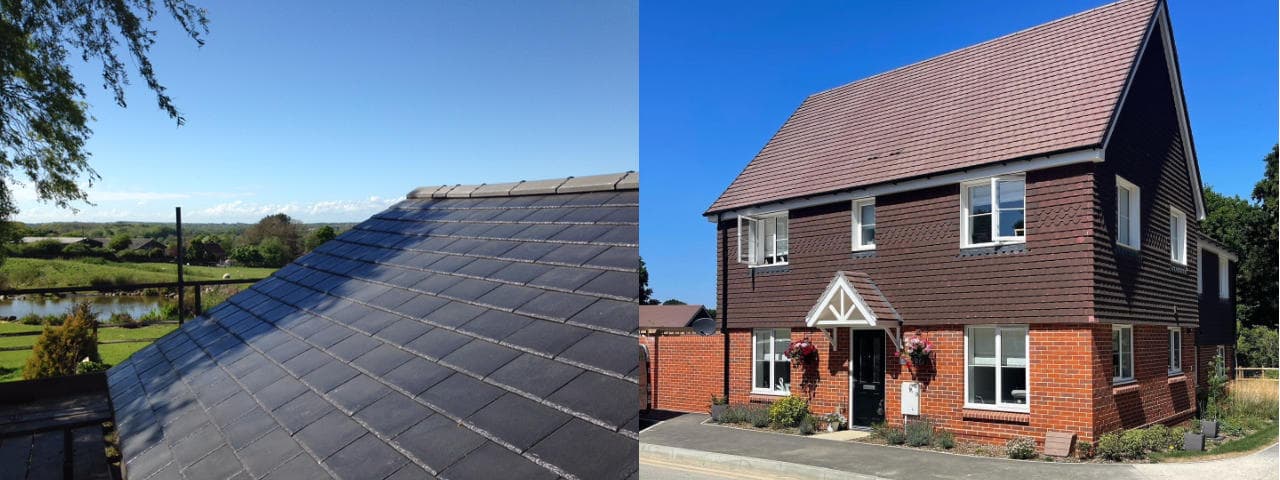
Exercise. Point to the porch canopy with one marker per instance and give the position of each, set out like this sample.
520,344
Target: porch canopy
854,301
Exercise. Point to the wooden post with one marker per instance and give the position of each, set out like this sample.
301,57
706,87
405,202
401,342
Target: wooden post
199,306
178,215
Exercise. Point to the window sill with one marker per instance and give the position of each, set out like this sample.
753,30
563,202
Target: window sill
763,396
997,243
1131,248
993,249
1176,377
1124,386
996,415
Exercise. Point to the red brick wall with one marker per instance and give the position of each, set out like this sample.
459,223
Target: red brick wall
684,371
1204,361
1155,396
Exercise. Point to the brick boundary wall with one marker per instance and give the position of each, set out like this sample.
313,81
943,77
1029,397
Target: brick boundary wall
684,371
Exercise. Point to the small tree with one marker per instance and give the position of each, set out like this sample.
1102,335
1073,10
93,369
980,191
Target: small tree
319,236
119,242
274,252
1215,389
59,349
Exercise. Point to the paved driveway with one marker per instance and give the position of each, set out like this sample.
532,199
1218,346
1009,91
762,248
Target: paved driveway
685,442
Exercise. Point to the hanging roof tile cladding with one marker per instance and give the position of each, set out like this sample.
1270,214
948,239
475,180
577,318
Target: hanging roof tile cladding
1048,89
451,337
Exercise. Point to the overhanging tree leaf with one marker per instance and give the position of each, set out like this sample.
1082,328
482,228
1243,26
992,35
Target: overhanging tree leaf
43,113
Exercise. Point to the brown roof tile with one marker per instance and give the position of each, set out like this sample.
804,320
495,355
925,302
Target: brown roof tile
670,316
1047,89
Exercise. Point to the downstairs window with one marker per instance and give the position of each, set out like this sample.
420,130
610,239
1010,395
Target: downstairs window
996,367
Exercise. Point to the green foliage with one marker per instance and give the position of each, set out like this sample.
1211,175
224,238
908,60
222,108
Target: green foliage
758,416
120,242
646,293
59,349
1256,346
919,432
719,400
1215,389
1085,450
274,253
1116,446
1021,448
789,411
673,301
895,436
807,425
247,255
319,236
944,439
1159,438
90,367
43,111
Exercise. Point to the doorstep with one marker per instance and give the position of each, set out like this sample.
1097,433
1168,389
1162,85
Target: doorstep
842,435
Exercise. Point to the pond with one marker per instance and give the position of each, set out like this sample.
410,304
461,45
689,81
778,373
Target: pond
104,306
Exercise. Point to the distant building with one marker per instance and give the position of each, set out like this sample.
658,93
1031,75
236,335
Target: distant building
681,369
135,243
92,242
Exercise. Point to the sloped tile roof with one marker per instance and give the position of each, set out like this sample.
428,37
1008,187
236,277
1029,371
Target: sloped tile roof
670,316
871,294
485,337
1044,90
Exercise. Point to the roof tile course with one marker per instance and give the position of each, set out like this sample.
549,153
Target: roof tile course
1043,90
417,343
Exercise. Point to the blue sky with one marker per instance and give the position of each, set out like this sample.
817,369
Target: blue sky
329,111
718,79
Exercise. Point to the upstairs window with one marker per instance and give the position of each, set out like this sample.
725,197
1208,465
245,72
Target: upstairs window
1177,236
864,224
1128,225
1224,277
993,210
1121,353
762,239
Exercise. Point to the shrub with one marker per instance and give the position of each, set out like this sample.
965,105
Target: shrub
1085,450
31,319
124,319
1159,438
719,400
919,432
807,425
90,367
789,411
895,436
758,416
59,349
944,439
1021,448
733,414
1116,446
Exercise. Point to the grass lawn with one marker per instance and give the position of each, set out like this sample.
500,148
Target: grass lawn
41,273
11,362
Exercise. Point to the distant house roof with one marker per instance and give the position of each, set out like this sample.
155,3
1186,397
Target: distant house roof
135,243
467,335
1045,90
670,316
62,240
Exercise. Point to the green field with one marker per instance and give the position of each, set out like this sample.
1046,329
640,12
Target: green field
11,362
42,273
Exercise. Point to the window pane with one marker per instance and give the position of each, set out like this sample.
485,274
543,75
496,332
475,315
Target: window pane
982,385
1126,350
1122,230
770,232
980,229
761,359
1010,193
1122,201
868,236
982,346
784,246
868,214
1013,347
979,199
762,344
781,340
1013,385
1115,353
1011,223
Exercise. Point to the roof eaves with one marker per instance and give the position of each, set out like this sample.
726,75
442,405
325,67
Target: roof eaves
629,180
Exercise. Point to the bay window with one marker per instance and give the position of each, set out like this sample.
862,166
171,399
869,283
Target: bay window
771,369
864,224
763,240
1121,353
996,367
993,211
1128,223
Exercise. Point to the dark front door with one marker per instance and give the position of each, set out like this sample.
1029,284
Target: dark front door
867,377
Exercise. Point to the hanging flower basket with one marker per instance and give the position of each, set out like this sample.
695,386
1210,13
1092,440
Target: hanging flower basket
917,350
802,351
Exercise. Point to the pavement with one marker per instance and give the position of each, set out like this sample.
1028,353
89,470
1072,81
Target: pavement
683,448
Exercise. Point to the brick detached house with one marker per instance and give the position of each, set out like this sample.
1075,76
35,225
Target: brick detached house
683,366
1029,205
468,332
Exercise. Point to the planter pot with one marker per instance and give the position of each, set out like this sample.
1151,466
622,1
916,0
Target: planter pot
717,411
1209,428
1193,442
831,427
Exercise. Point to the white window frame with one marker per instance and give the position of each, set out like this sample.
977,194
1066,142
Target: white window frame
1177,228
750,233
1123,360
1175,350
1199,270
1132,213
857,223
772,363
996,239
999,405
1224,277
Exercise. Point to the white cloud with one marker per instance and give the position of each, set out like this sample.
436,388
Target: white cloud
350,210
